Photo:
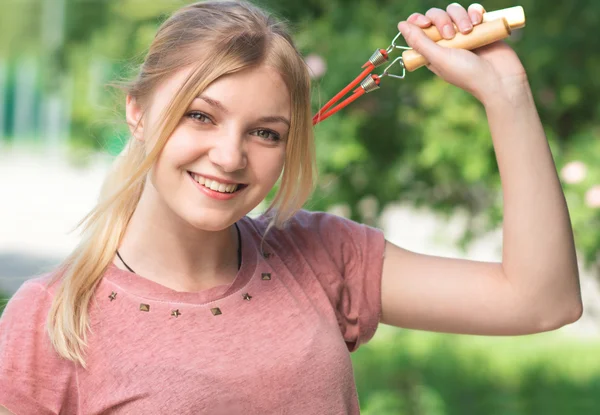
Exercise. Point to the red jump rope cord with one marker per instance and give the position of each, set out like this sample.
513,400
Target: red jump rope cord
358,92
324,113
348,88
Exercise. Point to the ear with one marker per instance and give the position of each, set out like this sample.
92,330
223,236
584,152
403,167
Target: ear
134,115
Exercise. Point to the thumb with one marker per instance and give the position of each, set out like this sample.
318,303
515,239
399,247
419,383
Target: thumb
418,40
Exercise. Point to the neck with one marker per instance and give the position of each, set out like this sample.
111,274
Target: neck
162,247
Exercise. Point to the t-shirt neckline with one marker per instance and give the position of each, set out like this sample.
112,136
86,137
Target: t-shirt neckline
138,285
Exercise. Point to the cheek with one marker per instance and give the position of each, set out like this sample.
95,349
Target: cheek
269,166
182,148
176,152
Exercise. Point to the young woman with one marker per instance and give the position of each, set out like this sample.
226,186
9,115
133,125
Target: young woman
175,301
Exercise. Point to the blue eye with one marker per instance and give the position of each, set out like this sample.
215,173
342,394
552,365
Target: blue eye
199,116
268,135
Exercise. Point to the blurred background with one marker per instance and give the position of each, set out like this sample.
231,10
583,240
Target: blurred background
414,158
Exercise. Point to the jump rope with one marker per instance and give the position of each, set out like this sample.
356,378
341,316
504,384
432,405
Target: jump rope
496,25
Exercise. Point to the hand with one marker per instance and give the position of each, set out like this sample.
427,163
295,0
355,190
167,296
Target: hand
484,72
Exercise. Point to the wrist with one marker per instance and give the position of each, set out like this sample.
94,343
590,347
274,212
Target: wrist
511,93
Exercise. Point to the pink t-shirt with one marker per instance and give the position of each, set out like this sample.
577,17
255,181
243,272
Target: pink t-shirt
275,341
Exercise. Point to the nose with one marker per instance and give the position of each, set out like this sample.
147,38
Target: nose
228,152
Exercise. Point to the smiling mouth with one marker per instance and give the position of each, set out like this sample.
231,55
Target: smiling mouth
217,186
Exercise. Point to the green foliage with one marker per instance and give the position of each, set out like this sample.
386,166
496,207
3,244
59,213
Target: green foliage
417,139
418,373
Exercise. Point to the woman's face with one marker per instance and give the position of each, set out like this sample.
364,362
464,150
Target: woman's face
227,151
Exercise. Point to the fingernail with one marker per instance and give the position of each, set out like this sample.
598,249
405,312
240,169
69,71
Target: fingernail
474,18
423,20
448,31
404,28
465,27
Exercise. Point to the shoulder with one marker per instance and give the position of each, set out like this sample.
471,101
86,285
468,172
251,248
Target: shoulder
312,233
344,256
33,288
33,297
310,223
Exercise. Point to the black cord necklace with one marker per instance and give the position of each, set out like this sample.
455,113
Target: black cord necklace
239,251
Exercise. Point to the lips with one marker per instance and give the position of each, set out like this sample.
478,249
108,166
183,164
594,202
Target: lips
217,185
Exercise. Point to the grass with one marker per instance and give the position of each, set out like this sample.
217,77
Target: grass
419,373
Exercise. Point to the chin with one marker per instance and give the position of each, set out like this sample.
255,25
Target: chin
205,223
216,216
212,220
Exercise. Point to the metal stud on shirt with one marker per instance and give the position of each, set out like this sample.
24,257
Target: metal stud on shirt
216,311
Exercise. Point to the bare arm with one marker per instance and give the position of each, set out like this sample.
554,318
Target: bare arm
536,286
4,411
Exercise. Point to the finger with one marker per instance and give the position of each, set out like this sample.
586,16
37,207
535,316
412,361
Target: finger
418,40
442,21
461,19
419,19
476,11
434,70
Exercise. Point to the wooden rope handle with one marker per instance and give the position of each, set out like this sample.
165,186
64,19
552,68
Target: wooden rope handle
515,16
481,35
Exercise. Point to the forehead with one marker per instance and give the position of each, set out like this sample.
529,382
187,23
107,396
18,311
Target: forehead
258,89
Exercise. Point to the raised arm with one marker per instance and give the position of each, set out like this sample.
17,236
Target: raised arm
536,286
4,411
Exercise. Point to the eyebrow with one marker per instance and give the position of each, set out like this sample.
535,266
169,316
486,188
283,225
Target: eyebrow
269,119
213,103
275,118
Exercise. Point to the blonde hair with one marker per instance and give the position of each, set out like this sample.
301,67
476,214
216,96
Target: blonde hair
212,38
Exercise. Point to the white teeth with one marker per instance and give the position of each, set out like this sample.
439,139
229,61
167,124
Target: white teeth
216,186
